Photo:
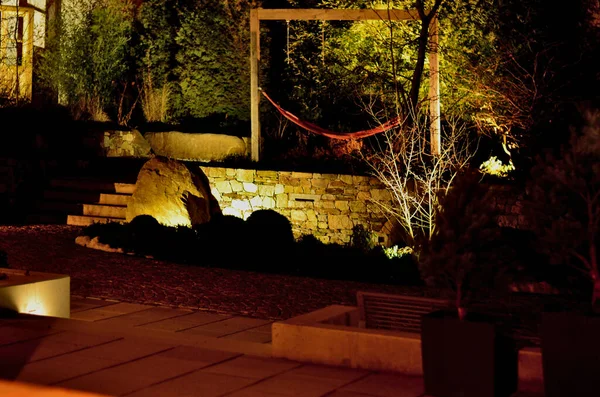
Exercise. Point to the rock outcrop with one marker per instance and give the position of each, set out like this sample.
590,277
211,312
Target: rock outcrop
172,193
197,147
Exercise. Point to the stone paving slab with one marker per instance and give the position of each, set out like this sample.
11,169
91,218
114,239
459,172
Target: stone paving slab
253,393
108,311
13,333
125,349
191,320
79,303
252,367
287,384
57,369
345,375
387,385
116,314
139,374
149,315
53,345
196,384
227,327
251,336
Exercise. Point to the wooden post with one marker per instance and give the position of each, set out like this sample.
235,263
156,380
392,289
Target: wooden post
434,90
254,94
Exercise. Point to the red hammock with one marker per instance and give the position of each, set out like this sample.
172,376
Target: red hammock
330,134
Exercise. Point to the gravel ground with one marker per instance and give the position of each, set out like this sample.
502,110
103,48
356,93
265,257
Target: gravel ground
98,274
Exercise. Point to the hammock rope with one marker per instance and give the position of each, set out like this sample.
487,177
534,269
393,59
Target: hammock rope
315,129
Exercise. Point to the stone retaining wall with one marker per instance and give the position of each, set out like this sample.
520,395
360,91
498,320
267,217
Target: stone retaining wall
327,206
125,144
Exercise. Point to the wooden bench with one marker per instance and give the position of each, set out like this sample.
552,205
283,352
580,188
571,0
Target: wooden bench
395,312
403,313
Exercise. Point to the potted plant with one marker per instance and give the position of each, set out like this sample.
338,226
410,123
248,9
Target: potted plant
564,210
464,353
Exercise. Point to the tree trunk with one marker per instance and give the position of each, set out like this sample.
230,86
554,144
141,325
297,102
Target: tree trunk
418,72
422,51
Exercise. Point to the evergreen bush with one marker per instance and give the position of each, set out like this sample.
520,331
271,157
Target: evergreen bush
213,70
90,57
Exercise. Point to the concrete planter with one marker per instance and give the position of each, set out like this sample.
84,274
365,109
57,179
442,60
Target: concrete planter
571,353
331,336
468,358
38,293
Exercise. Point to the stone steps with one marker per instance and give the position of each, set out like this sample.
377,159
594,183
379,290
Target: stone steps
103,210
85,220
92,185
84,201
114,199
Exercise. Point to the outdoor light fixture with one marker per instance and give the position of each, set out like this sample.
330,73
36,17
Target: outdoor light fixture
42,294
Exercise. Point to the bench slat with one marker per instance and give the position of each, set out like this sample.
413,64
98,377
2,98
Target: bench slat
395,312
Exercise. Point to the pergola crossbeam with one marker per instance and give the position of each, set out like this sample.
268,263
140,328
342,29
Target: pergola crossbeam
311,14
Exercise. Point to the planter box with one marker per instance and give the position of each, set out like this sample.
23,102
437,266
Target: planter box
332,336
38,293
466,358
571,354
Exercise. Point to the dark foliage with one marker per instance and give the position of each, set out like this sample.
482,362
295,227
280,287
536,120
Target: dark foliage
362,239
262,243
269,230
331,261
465,253
223,239
563,203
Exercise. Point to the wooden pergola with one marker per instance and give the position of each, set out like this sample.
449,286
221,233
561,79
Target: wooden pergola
260,14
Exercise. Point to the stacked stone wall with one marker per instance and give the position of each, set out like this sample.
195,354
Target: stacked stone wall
327,206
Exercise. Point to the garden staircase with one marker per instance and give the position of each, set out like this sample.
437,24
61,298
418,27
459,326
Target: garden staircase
97,193
83,201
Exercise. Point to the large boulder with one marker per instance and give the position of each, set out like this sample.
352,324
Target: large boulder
197,147
173,193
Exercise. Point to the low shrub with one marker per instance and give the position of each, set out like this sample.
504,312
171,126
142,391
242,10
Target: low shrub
270,239
335,261
264,242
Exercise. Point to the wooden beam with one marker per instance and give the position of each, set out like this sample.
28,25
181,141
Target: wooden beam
434,89
254,94
305,14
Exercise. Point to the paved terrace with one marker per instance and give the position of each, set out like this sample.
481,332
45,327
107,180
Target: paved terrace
155,328
124,349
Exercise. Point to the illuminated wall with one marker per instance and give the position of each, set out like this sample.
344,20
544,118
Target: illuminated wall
324,205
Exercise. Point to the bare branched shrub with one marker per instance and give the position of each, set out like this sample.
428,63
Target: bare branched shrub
415,178
155,101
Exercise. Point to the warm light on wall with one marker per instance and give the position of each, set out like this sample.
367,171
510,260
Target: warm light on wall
41,294
35,306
